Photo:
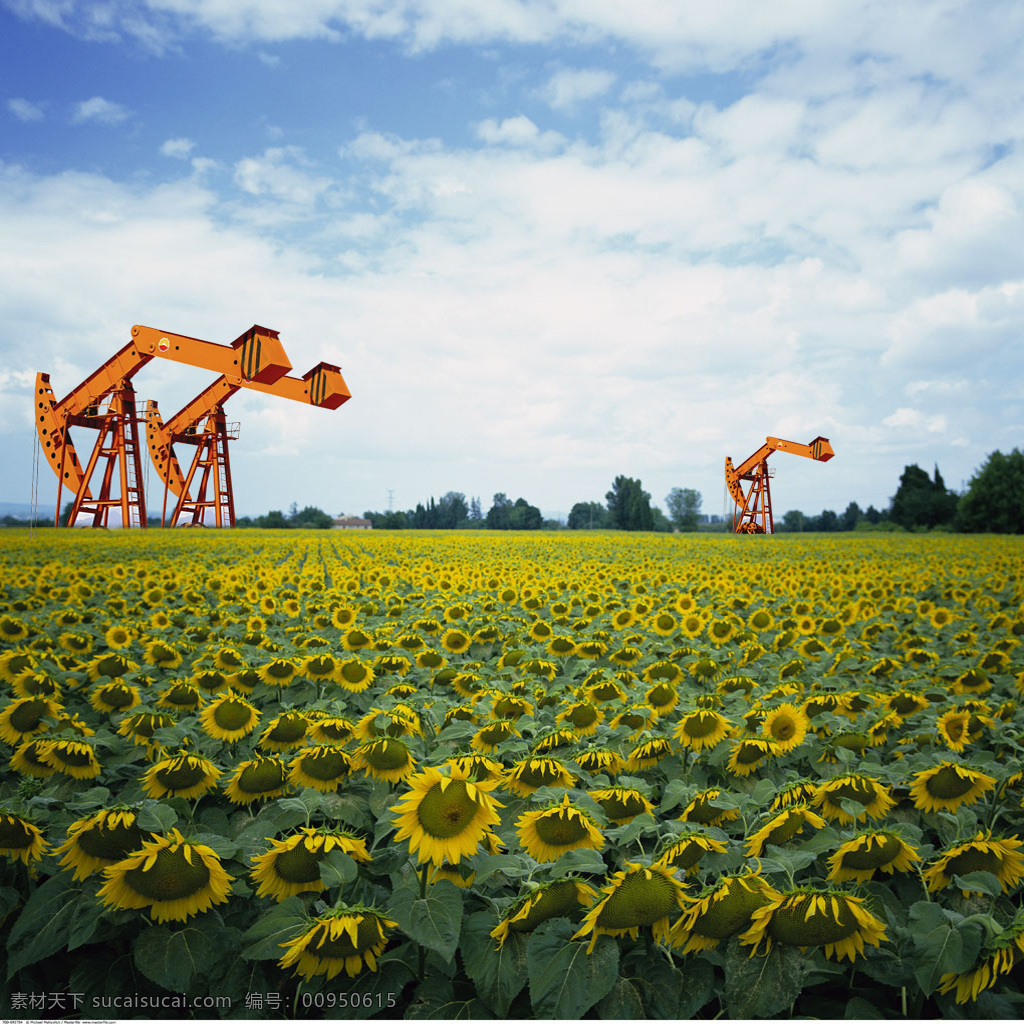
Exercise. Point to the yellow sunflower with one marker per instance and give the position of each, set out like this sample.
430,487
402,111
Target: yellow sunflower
648,753
551,899
445,817
702,730
28,760
838,922
71,757
703,811
795,793
479,767
984,852
720,911
285,732
292,865
488,738
102,839
24,717
385,758
786,727
185,775
684,852
600,759
354,675
947,786
260,778
748,755
782,828
872,796
529,774
953,729
20,839
229,717
633,899
583,717
174,878
345,938
181,696
621,803
321,768
859,858
556,829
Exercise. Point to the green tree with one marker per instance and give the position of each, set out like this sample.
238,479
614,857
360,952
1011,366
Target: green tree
683,505
921,501
273,520
525,516
629,505
794,521
994,500
499,512
852,516
311,518
587,515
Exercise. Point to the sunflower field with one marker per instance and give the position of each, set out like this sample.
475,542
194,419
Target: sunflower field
535,776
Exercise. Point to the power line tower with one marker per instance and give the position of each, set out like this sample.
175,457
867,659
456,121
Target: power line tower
391,500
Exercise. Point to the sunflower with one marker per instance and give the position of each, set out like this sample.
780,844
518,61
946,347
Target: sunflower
184,775
552,899
600,759
28,760
174,878
292,865
385,758
333,730
782,828
634,898
998,957
181,696
71,757
998,856
113,666
36,684
720,911
648,753
621,803
859,858
748,755
720,631
947,786
906,704
529,774
953,729
321,768
114,696
102,839
279,672
490,737
261,778
785,726
345,938
702,730
591,649
806,917
584,717
141,726
873,797
20,839
445,817
703,811
229,717
161,654
684,852
285,732
661,698
556,829
24,717
664,624
479,767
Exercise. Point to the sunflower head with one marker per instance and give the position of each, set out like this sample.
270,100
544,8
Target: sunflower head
783,827
835,798
185,775
637,897
260,778
529,774
445,816
174,878
833,919
949,785
857,859
561,898
346,938
703,729
984,852
20,839
285,732
320,767
556,829
229,717
385,758
684,852
100,840
292,865
702,810
720,911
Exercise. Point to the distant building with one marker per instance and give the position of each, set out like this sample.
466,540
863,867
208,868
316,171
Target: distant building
351,523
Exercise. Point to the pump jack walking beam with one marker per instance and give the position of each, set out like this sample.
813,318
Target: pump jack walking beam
257,355
202,423
753,511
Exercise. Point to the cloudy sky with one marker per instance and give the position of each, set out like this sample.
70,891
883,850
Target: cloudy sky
548,241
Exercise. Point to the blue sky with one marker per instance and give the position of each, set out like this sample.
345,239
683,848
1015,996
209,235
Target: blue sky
548,241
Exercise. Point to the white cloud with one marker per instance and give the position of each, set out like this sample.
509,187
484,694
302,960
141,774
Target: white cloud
279,172
517,131
914,419
25,110
566,88
100,110
179,148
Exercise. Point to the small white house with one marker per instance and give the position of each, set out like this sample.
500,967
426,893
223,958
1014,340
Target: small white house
351,523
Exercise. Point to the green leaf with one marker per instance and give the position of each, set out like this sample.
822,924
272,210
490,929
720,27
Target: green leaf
861,1009
622,1003
221,845
434,999
676,792
264,939
156,817
588,861
943,944
43,926
565,980
173,959
508,864
499,975
761,986
979,881
434,921
337,869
